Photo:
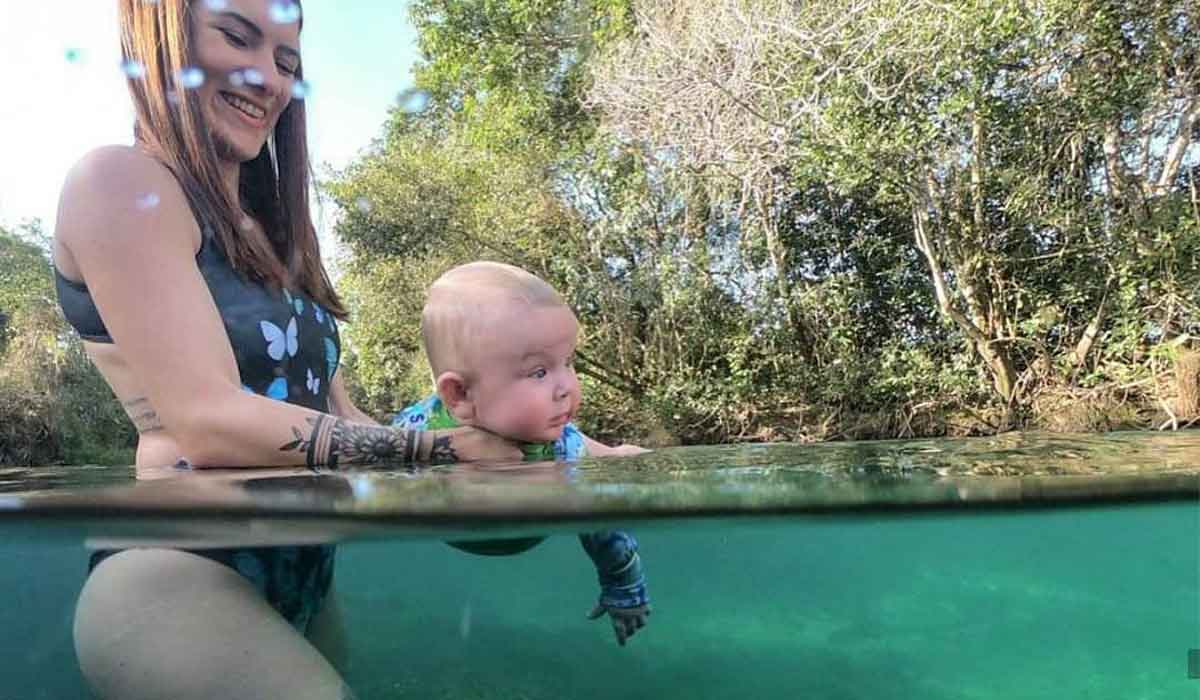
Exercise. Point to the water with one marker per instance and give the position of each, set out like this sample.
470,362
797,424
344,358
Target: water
1022,567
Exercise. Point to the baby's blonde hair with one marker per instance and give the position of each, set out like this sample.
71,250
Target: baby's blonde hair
464,298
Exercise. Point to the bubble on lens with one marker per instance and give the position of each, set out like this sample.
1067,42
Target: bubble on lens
172,97
216,5
413,100
362,486
133,69
363,205
237,79
464,622
190,77
301,89
73,55
147,201
252,76
285,12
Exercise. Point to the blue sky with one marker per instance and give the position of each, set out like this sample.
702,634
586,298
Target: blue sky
358,55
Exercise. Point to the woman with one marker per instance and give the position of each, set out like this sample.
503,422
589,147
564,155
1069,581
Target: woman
189,265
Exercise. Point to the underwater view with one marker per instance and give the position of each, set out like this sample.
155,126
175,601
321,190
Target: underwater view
986,568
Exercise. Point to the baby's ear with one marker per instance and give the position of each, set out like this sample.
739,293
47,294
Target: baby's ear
452,389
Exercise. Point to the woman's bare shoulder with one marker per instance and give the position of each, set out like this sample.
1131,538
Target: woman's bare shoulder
111,168
121,190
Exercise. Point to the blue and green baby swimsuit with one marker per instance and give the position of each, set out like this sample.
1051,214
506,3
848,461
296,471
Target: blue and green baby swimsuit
614,552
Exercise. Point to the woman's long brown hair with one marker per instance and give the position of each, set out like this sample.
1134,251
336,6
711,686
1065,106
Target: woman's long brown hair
274,185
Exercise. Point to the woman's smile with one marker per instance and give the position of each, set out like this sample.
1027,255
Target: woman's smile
246,111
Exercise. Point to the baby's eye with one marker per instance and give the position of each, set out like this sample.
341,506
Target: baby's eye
539,373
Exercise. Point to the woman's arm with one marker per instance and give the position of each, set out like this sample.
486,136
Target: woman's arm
599,449
139,263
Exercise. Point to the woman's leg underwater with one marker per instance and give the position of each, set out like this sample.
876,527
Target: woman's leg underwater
161,623
327,632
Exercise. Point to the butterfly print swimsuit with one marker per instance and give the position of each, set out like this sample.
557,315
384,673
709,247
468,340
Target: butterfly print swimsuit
287,347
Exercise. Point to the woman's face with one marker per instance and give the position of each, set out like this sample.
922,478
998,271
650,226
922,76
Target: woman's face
249,53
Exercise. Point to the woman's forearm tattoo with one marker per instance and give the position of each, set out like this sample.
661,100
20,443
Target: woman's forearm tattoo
143,415
333,441
442,451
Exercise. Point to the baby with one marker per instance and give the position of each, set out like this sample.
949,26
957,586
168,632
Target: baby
501,343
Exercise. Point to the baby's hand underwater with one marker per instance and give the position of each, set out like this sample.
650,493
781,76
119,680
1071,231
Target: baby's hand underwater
625,621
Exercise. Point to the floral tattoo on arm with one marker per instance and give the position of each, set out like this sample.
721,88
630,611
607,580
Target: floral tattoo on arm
333,441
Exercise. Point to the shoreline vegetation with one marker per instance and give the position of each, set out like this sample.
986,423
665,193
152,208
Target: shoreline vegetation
775,220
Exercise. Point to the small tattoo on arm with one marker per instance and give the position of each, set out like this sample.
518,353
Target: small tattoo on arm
142,414
443,451
333,441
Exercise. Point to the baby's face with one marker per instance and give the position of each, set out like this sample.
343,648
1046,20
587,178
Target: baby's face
524,385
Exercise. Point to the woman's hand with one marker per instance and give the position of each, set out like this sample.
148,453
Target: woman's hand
599,449
466,444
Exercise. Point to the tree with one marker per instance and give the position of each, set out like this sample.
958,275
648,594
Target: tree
1024,143
54,406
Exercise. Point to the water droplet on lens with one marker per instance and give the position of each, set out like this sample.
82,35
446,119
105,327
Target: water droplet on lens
133,69
216,5
363,205
237,79
73,55
147,201
301,89
464,622
362,486
246,223
172,97
252,76
413,100
190,77
285,12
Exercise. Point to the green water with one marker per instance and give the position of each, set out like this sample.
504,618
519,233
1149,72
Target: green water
1020,566
1094,602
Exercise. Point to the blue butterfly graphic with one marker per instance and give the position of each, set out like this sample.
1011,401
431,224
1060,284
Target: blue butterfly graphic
318,312
331,357
278,341
295,302
278,389
313,383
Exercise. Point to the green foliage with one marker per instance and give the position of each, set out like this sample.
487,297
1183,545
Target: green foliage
54,406
25,288
925,212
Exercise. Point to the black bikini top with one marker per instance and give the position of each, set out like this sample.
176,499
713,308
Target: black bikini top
287,346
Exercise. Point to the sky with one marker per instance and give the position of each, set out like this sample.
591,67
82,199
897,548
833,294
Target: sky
64,92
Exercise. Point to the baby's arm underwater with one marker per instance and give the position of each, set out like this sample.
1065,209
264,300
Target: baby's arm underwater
622,582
